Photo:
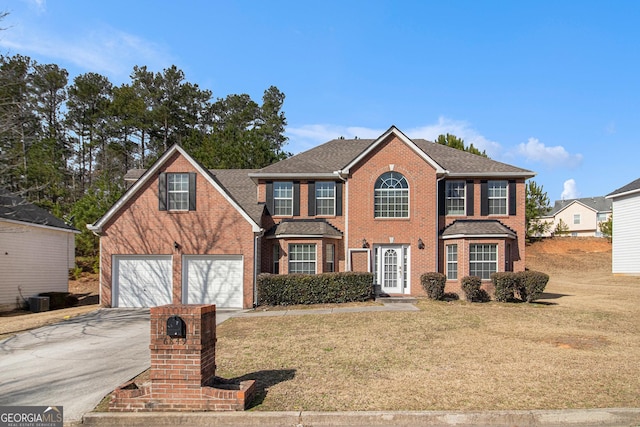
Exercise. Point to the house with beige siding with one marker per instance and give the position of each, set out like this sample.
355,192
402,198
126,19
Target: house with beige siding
582,216
626,229
394,206
36,251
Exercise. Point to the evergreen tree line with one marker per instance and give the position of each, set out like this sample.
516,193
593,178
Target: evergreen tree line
66,146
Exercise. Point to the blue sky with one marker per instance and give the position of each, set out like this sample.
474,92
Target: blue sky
551,86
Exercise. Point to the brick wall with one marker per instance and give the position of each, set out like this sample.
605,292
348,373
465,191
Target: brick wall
215,227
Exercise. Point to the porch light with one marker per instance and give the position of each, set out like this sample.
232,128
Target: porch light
420,243
176,246
365,244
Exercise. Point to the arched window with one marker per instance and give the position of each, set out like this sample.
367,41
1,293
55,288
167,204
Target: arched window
391,196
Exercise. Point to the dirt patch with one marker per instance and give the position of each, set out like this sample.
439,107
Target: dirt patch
578,343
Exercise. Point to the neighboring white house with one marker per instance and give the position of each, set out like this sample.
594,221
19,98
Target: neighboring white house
626,229
36,251
582,216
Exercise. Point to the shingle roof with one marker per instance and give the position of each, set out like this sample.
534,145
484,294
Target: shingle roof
477,228
304,227
15,208
632,186
241,188
599,204
336,154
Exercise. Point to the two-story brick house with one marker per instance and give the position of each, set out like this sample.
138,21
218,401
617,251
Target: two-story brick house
394,206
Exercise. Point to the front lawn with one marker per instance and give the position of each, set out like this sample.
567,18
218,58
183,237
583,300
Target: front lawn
578,348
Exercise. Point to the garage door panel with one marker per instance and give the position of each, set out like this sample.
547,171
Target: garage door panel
142,281
215,279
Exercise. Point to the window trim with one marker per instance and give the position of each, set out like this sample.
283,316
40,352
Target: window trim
276,259
453,262
474,270
386,194
576,219
505,198
291,262
277,186
330,259
164,193
332,187
448,198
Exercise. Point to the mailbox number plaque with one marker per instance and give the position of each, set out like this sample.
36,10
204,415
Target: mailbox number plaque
176,327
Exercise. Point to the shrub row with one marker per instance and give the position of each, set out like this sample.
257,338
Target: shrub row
528,285
291,289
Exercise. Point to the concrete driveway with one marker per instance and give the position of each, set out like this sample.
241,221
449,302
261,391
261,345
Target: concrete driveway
74,363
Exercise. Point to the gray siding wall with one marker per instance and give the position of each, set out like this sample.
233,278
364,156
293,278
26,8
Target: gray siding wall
33,260
626,235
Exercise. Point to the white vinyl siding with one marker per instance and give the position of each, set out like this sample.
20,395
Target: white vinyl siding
626,235
213,279
33,260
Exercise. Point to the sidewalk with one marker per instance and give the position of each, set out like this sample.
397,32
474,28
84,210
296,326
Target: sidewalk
540,418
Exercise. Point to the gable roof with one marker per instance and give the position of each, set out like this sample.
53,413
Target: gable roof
477,228
15,209
233,181
339,155
598,204
631,188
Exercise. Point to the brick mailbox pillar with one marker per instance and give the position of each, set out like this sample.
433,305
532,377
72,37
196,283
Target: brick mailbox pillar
183,366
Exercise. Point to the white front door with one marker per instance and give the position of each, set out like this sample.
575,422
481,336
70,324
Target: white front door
392,263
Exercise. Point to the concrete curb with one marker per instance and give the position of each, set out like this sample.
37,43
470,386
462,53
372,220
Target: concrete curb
555,418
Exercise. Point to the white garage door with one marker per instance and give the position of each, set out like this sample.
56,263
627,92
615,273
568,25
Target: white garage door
142,281
213,279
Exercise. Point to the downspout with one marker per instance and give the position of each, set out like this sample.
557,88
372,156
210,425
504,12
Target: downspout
438,220
345,206
256,240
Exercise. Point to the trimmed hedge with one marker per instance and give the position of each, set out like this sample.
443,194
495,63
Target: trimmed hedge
506,284
433,284
471,288
291,289
531,285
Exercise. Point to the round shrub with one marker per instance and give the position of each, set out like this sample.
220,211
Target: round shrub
433,284
471,288
506,284
532,284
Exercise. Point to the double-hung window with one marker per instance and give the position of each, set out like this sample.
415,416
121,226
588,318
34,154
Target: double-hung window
302,258
178,191
483,260
497,197
391,198
455,196
329,257
576,218
283,198
325,198
452,262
